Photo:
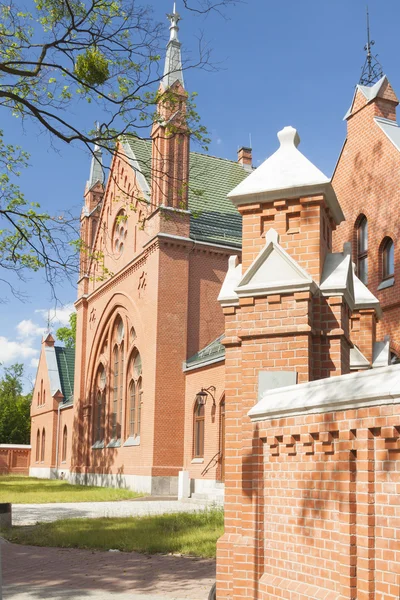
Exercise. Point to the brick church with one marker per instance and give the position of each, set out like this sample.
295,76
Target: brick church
203,272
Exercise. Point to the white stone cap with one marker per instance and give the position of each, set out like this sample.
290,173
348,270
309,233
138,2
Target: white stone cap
358,360
337,277
286,174
381,353
345,392
227,295
16,446
274,271
363,298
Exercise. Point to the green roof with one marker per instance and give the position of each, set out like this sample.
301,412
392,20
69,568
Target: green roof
213,217
66,370
213,352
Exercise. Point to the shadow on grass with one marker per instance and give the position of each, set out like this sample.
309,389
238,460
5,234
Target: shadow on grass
70,573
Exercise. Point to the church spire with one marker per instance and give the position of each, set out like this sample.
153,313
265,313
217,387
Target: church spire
372,69
96,167
173,59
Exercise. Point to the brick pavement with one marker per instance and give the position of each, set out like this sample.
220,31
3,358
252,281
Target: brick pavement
30,573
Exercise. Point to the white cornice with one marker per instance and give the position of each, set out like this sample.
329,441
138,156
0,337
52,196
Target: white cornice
374,387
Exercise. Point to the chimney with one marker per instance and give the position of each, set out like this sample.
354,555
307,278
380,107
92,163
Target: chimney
245,158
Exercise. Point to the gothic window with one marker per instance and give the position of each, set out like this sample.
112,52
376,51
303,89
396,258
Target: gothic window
132,409
120,233
115,395
387,259
44,396
362,249
118,379
198,438
64,445
99,411
134,415
38,445
43,448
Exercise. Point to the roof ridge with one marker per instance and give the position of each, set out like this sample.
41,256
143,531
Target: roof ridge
149,141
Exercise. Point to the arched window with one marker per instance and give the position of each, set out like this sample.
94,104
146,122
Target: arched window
198,438
44,396
132,409
41,393
38,398
387,259
64,445
362,249
43,449
118,379
99,409
120,233
134,413
38,445
115,395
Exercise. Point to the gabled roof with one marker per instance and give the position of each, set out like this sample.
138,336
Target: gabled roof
286,174
390,129
66,369
213,218
372,92
213,352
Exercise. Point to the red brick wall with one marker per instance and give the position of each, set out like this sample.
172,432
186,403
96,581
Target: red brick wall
14,460
212,375
367,181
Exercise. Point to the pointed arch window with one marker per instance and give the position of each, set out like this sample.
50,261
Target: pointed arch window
99,408
198,437
38,445
117,396
64,445
43,448
134,411
362,249
387,259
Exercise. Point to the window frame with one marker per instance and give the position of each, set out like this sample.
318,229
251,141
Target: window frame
386,245
43,446
64,445
362,248
198,430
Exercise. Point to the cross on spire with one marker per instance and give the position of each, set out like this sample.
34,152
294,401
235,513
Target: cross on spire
372,69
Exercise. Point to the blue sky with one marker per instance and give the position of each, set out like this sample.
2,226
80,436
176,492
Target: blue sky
280,63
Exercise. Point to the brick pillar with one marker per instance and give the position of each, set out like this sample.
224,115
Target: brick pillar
363,331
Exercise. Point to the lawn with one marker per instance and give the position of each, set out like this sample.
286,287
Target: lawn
194,534
31,490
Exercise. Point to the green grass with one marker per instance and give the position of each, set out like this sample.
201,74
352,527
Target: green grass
31,490
194,534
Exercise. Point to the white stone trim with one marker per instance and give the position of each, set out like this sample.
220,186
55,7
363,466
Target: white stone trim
353,391
287,275
181,238
16,446
200,365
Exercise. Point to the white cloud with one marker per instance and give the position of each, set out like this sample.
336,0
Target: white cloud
15,351
34,363
219,141
28,329
58,316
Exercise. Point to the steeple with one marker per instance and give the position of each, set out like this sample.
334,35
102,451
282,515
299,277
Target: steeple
173,59
372,70
96,167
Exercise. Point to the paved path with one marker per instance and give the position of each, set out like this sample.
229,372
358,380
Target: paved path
31,573
29,514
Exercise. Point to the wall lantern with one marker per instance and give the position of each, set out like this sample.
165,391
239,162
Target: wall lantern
201,397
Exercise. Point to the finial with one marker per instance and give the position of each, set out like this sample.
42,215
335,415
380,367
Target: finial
288,136
372,69
174,17
96,146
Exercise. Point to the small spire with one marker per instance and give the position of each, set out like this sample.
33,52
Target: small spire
372,69
96,167
173,59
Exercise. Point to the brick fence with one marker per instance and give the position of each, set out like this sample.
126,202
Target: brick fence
14,459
